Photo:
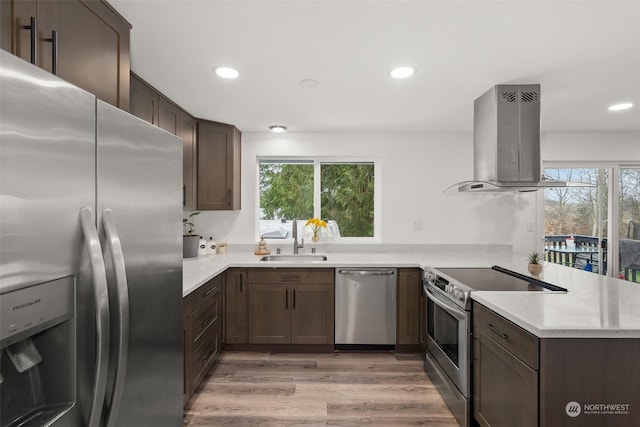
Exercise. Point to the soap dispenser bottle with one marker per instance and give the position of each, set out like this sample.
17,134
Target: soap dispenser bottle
211,246
202,247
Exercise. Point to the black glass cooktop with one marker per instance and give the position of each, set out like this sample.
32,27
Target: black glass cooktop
498,279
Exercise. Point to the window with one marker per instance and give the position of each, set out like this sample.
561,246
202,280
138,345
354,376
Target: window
575,217
340,192
629,224
595,228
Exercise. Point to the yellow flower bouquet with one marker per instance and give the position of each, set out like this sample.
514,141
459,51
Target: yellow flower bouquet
315,224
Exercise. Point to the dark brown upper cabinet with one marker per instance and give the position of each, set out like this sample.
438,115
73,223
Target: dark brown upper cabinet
150,105
218,166
144,101
85,42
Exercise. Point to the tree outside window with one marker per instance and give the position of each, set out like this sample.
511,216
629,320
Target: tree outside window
345,196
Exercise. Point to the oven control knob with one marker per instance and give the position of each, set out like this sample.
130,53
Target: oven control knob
460,295
431,277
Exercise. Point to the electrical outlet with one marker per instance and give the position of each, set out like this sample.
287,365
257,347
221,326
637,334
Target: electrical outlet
417,225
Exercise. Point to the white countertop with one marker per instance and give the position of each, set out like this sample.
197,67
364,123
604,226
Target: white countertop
594,306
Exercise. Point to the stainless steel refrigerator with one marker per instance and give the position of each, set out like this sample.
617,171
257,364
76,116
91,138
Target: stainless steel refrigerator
90,259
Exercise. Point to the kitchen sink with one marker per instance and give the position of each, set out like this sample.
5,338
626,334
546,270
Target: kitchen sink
294,258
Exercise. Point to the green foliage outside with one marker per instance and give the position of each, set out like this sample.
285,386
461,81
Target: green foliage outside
347,197
347,190
286,190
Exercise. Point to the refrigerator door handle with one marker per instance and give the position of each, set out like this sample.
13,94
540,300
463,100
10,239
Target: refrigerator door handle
101,295
120,272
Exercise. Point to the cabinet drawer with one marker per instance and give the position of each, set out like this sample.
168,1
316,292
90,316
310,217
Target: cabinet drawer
510,336
291,275
204,356
204,318
205,293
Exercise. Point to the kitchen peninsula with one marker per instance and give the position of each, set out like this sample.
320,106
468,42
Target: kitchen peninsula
581,329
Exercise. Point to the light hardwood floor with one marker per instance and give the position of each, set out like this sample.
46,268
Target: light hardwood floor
339,389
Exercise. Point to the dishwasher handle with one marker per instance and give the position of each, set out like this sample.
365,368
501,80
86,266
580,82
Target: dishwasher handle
367,272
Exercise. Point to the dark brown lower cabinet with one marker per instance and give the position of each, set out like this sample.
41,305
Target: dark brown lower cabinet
423,320
522,380
505,391
236,302
291,306
408,308
203,332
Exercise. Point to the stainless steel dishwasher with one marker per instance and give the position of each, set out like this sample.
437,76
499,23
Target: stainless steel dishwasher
365,307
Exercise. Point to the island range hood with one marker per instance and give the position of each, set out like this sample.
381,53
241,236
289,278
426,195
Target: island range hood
506,142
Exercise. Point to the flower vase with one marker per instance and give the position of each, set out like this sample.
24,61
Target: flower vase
315,238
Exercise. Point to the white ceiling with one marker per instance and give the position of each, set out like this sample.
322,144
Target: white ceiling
585,54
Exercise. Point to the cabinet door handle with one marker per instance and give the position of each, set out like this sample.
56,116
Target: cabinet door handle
241,280
184,195
54,51
208,320
209,291
497,332
206,359
286,299
294,299
34,33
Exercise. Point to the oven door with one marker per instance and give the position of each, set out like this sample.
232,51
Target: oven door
448,336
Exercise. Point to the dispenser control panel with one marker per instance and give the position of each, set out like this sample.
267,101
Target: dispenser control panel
27,311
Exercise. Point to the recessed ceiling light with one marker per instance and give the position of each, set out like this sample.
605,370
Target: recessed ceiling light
621,106
226,72
278,129
402,72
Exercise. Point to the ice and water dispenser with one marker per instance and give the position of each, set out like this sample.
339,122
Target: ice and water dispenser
37,353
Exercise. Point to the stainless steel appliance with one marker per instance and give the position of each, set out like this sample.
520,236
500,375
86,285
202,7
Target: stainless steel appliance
90,197
448,325
506,142
365,312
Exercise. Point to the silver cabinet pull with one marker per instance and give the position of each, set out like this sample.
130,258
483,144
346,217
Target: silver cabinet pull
101,296
495,331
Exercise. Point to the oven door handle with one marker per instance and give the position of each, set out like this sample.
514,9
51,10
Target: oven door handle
458,314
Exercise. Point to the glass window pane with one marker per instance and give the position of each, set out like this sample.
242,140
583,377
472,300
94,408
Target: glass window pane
629,224
347,192
286,192
575,219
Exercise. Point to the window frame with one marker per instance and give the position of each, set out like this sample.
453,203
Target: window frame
613,207
317,162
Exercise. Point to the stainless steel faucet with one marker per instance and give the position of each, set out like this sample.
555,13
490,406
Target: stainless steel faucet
294,233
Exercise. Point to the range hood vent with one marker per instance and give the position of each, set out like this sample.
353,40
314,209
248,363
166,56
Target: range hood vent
506,142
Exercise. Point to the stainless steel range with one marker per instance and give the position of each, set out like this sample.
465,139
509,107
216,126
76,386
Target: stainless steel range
448,356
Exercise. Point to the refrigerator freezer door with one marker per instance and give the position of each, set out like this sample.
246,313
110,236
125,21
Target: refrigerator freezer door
47,174
139,179
47,146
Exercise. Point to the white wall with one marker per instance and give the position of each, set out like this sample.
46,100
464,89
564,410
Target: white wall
414,171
